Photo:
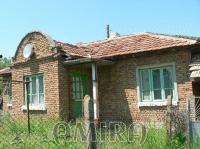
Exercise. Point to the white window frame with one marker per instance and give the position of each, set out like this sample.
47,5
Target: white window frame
158,102
36,106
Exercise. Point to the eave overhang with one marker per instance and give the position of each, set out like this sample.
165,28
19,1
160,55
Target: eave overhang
87,60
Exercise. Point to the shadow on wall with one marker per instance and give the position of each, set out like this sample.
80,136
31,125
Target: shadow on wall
114,104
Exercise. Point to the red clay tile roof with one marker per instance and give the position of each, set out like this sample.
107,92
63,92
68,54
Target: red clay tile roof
129,44
73,49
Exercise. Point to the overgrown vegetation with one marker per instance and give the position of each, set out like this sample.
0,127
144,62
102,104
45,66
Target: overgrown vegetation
13,134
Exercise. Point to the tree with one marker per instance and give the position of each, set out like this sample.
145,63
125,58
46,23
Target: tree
5,62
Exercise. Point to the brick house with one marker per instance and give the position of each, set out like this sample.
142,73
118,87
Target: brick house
129,77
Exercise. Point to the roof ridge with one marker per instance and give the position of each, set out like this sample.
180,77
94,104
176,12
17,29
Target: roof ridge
69,44
175,37
111,39
160,35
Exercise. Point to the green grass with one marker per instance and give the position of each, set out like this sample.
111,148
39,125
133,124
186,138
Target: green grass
13,134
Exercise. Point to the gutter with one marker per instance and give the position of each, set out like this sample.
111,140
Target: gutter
87,60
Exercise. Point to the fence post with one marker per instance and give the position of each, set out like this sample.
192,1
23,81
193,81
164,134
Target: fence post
188,122
169,117
89,122
28,111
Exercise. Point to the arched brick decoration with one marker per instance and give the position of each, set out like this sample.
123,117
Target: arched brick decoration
42,43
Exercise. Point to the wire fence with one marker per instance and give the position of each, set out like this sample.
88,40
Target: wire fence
194,118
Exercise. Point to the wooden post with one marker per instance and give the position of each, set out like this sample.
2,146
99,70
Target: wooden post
89,122
169,117
188,122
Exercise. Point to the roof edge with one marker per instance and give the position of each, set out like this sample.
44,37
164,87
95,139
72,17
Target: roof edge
88,60
6,70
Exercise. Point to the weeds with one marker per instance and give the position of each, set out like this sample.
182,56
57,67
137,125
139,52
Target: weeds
13,134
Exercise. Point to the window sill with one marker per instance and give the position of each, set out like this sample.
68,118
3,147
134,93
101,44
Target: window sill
34,108
162,103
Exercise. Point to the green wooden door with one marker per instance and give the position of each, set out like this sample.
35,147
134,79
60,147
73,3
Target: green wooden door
79,90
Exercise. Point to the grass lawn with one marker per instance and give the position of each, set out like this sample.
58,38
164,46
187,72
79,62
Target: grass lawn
13,134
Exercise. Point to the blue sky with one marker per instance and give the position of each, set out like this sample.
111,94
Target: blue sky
85,20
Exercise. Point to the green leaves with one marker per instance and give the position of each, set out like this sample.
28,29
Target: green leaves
5,62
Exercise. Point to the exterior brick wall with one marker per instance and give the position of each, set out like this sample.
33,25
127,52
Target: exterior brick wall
43,61
63,79
49,68
118,87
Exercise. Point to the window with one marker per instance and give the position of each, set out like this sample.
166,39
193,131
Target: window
7,91
35,91
156,83
79,88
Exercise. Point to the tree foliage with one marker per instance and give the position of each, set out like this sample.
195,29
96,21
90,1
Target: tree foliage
5,62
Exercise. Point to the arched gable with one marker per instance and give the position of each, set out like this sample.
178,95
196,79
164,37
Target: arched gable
45,40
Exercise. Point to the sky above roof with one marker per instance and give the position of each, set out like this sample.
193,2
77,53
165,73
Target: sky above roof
76,21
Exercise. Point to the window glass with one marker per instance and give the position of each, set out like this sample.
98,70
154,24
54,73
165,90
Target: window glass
29,85
145,80
35,90
157,95
168,92
77,87
41,84
41,99
73,79
81,90
156,83
167,78
78,95
156,79
146,95
34,100
33,82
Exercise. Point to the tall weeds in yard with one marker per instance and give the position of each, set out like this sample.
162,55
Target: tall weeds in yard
14,135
